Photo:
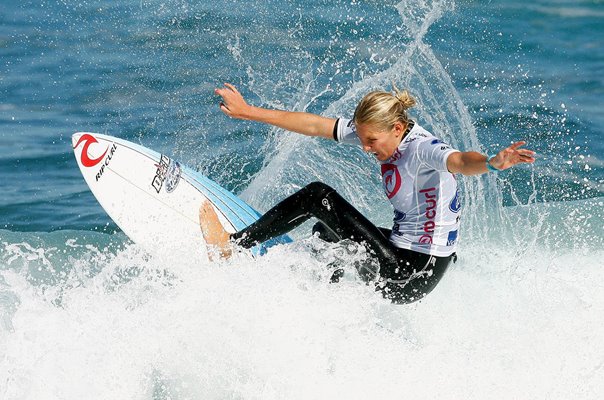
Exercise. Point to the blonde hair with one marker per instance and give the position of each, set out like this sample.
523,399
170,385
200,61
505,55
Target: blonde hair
383,109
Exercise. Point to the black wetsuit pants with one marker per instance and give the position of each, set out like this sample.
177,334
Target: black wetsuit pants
404,275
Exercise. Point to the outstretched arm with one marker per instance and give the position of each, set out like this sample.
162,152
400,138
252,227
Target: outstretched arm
473,163
234,105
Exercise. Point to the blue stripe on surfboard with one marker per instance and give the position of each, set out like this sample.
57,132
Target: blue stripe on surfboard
231,208
244,213
213,191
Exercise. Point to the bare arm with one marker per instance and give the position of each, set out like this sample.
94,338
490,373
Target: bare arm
234,105
473,163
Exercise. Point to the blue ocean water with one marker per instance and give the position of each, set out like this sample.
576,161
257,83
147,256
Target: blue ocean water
83,312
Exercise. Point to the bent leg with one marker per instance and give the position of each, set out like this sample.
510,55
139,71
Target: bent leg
405,276
282,218
341,219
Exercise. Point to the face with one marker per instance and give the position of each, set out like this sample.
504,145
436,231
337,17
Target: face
381,143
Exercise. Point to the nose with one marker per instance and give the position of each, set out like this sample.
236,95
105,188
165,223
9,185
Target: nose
366,148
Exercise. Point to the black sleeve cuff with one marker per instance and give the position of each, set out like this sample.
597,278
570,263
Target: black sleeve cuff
335,130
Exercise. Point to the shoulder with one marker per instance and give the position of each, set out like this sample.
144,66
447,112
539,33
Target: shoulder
418,136
423,138
345,131
431,150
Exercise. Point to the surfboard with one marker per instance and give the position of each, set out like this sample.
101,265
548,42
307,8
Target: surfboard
154,199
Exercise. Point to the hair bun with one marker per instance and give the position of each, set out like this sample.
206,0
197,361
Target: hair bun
384,109
406,100
403,96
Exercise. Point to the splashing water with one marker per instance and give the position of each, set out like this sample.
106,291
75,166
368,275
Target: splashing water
297,160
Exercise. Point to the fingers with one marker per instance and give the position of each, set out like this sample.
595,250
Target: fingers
225,90
517,144
523,155
224,93
233,88
225,109
525,152
233,104
515,155
221,92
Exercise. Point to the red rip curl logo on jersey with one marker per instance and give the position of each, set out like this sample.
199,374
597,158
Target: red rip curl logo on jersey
391,178
86,160
430,214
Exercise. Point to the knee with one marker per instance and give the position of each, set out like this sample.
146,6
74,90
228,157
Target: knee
409,289
397,294
325,233
318,188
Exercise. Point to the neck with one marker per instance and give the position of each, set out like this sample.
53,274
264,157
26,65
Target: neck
408,128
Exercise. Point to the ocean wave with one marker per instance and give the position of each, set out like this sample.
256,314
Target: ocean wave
571,12
93,310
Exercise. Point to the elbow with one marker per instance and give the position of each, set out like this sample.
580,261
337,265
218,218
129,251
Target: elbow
455,164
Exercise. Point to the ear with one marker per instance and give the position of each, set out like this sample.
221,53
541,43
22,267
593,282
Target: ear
399,129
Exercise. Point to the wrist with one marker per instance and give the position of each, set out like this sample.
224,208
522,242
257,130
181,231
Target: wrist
491,167
248,113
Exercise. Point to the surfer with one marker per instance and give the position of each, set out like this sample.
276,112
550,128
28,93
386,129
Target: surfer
418,177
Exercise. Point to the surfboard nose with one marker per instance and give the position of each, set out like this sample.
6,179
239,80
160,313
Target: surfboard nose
75,138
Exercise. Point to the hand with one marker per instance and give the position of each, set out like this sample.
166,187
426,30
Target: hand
513,155
233,103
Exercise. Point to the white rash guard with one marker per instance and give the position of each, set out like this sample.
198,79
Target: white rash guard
422,191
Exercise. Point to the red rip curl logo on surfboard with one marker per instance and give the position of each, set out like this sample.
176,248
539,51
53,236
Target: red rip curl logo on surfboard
391,178
88,140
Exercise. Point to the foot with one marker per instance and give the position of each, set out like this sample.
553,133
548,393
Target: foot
217,239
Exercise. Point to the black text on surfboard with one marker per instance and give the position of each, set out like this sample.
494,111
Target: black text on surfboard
106,161
167,172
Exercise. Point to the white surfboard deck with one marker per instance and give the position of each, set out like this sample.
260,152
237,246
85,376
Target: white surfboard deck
154,199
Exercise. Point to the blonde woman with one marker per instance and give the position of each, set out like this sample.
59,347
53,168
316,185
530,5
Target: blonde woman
418,178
